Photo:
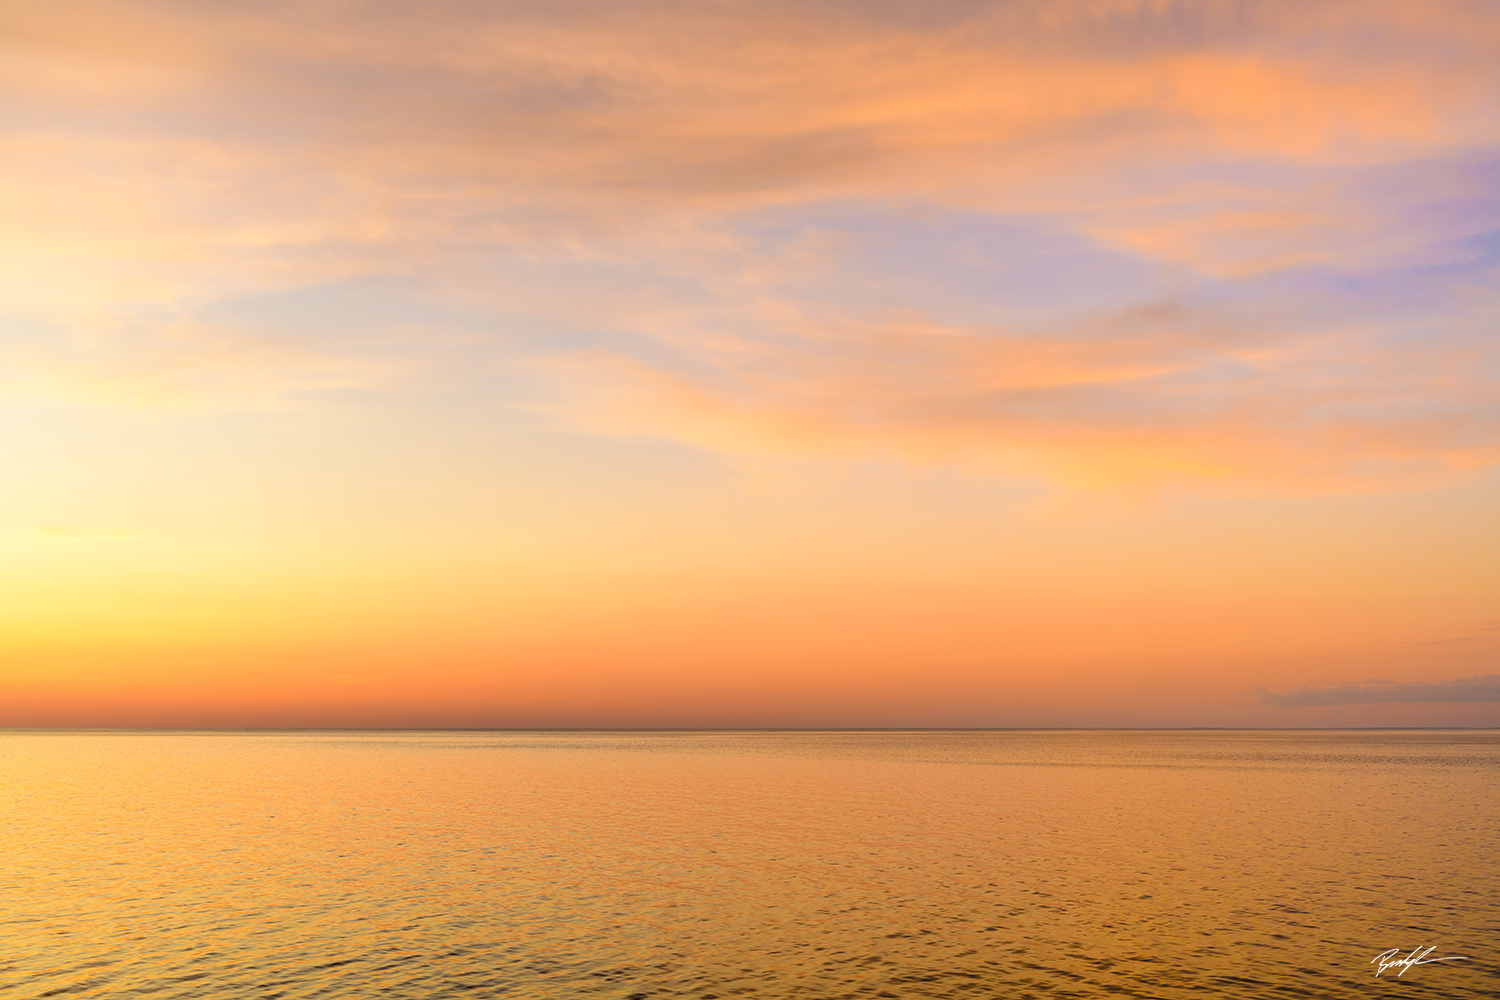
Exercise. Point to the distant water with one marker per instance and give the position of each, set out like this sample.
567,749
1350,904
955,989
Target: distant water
717,865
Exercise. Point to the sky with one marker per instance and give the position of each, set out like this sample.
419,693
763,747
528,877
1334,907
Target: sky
825,364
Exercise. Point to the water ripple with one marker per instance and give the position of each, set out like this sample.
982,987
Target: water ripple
718,865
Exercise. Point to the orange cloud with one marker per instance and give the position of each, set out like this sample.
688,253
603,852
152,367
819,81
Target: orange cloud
375,125
1142,396
165,159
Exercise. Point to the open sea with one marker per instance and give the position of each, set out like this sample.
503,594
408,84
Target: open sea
713,865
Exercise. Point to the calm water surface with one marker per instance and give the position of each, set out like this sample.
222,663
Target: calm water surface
717,865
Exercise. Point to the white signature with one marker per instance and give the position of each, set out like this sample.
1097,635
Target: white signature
1392,959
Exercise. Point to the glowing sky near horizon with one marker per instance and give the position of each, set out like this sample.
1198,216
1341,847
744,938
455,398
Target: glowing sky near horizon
1079,362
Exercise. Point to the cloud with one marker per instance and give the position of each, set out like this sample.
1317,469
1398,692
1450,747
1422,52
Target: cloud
1088,239
1034,358
369,125
1467,689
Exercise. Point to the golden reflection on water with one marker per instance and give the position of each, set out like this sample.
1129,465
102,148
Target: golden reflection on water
713,865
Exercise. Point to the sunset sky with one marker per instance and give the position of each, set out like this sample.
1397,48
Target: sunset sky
459,363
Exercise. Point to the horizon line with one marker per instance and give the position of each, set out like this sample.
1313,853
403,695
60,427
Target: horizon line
739,729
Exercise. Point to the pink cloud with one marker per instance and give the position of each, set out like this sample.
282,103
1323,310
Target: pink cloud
163,158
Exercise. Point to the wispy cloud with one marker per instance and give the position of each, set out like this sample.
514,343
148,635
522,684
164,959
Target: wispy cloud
1169,389
1468,689
1094,239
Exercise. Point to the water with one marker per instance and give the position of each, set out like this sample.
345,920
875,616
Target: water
717,865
